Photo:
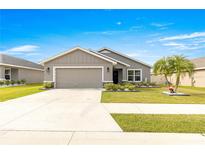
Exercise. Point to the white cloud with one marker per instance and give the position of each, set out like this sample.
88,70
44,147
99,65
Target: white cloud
183,46
184,36
24,49
119,23
161,25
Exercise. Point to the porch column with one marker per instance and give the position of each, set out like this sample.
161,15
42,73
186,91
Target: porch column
124,74
2,73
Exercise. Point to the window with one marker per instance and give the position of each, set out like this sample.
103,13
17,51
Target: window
134,75
8,74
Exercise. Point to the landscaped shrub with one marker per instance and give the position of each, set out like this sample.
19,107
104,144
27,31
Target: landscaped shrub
131,87
121,87
12,82
18,82
48,85
1,83
7,82
108,86
127,85
23,81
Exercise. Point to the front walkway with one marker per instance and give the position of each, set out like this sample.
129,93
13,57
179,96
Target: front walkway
137,108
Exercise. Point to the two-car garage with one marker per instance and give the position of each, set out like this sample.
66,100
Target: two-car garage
78,68
78,77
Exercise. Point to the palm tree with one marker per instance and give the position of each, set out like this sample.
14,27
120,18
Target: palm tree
162,67
181,65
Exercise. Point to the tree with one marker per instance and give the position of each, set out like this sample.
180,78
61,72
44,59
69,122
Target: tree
180,65
162,67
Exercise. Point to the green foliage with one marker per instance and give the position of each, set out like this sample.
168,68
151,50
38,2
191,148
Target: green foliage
1,83
174,123
7,82
177,64
48,85
18,82
131,87
23,81
119,87
12,82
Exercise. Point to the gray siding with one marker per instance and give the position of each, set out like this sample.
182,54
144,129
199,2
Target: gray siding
2,72
133,65
78,58
14,74
31,76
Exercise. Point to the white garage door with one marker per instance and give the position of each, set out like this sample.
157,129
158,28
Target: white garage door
78,78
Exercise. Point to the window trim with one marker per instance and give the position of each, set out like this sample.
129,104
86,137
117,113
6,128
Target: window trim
134,75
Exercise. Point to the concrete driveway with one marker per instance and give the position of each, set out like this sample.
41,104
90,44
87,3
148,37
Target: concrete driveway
57,110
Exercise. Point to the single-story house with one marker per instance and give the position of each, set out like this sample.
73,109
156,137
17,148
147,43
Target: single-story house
12,68
83,68
197,79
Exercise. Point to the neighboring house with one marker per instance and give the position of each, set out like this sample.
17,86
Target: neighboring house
82,68
12,68
198,78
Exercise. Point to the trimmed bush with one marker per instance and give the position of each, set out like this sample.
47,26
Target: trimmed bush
1,83
131,87
12,82
48,85
121,87
18,82
108,86
7,82
23,81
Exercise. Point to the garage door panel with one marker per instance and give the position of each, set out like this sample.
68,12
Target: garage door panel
78,78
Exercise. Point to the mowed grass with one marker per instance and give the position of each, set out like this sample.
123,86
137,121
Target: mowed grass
161,123
154,95
8,93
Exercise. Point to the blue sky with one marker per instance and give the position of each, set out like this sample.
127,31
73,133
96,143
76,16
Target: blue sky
146,35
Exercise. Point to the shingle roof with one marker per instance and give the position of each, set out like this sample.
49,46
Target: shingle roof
10,60
199,62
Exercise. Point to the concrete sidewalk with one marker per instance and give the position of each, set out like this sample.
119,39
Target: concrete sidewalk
137,108
98,138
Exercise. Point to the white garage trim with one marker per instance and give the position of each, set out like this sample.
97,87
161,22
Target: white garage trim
57,67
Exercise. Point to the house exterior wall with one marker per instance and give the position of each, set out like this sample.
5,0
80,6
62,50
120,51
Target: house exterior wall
197,80
14,74
31,76
78,58
133,65
2,72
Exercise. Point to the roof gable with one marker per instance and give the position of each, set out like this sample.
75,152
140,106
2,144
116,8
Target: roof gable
75,49
103,50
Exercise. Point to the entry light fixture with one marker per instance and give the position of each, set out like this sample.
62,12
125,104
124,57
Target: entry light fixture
108,69
48,69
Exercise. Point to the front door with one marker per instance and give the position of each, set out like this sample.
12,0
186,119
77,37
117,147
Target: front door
115,76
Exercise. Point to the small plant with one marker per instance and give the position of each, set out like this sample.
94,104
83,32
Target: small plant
23,81
12,82
1,83
115,87
7,82
131,87
18,82
48,85
108,86
121,87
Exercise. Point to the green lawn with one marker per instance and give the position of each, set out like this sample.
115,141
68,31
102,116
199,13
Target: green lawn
19,91
161,123
154,95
